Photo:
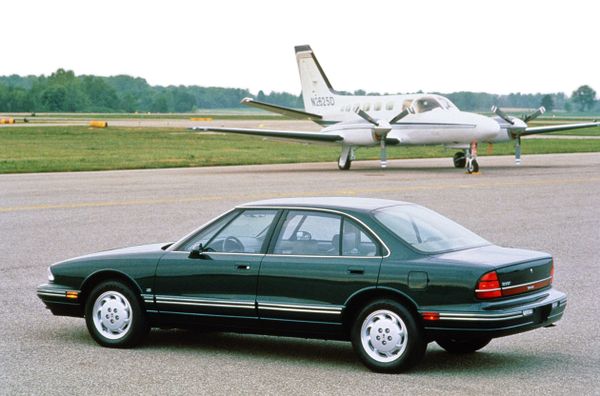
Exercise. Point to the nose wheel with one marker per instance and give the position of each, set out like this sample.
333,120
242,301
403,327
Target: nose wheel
471,161
346,158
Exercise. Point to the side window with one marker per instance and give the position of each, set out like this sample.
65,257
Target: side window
356,242
207,232
309,233
389,106
244,234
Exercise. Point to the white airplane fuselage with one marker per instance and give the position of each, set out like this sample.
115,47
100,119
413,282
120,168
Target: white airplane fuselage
447,126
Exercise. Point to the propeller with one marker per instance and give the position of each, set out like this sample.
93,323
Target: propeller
381,128
516,126
496,110
534,115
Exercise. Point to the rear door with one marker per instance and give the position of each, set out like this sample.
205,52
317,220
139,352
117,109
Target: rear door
316,261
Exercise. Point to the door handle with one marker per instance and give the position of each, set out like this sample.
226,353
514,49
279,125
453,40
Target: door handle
243,267
356,270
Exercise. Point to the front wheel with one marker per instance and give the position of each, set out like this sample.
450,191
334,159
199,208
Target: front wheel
461,346
114,316
473,166
387,338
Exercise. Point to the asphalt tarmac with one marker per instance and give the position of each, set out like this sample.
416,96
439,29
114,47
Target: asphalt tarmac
550,203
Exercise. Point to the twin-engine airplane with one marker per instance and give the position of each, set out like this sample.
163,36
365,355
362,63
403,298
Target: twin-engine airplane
392,120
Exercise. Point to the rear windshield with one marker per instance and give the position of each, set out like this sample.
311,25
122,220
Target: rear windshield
427,230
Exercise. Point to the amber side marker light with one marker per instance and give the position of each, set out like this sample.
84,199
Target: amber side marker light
431,315
73,295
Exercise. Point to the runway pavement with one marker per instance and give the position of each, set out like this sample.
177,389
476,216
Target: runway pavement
550,203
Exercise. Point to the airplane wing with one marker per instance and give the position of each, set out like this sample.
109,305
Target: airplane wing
555,128
286,111
313,136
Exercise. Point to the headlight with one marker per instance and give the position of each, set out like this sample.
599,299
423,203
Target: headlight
50,275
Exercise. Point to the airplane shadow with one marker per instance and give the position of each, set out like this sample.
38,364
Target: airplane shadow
376,171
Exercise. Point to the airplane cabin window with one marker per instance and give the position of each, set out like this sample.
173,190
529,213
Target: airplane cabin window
389,106
366,107
377,106
347,108
355,107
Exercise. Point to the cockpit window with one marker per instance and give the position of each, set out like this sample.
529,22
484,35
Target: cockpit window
446,104
426,103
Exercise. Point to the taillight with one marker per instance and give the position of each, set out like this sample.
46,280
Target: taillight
488,286
551,271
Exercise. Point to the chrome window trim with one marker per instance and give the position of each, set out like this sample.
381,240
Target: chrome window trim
373,233
319,256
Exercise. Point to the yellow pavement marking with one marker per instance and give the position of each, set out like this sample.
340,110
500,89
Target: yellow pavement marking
332,192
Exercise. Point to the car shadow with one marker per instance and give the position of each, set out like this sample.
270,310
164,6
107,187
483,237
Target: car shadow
271,347
320,352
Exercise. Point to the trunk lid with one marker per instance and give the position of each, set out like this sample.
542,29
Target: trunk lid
518,271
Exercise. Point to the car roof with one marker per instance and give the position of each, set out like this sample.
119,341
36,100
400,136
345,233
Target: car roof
351,203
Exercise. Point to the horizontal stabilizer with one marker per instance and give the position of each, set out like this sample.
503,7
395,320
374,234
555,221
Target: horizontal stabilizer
286,111
556,128
312,136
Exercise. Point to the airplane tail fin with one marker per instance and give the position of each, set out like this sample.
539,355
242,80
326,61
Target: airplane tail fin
317,92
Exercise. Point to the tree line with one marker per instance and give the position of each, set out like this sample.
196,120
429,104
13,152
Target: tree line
63,91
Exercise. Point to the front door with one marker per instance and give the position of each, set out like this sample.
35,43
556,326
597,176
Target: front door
220,281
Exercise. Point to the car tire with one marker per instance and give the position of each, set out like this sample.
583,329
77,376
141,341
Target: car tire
462,346
114,316
387,338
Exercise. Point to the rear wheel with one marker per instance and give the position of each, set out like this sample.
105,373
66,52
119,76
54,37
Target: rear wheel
460,346
460,160
387,338
114,316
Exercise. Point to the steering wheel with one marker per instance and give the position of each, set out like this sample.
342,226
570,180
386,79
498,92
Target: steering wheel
233,245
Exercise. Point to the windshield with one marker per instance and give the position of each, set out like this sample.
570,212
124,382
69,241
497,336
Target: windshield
428,103
427,230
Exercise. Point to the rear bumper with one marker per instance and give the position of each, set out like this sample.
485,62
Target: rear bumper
56,300
501,318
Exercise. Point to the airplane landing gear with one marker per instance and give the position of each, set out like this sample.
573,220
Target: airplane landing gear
346,158
472,165
460,159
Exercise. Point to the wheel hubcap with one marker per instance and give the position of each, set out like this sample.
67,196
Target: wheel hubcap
112,315
383,336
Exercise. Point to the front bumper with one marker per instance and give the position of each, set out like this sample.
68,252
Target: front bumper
60,300
497,319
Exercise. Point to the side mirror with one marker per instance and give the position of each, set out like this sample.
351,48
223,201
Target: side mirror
198,252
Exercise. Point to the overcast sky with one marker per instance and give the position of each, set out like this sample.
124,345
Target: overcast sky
385,46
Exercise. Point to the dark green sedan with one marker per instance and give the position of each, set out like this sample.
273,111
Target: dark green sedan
390,276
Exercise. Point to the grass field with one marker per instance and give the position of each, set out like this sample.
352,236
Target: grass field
57,149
